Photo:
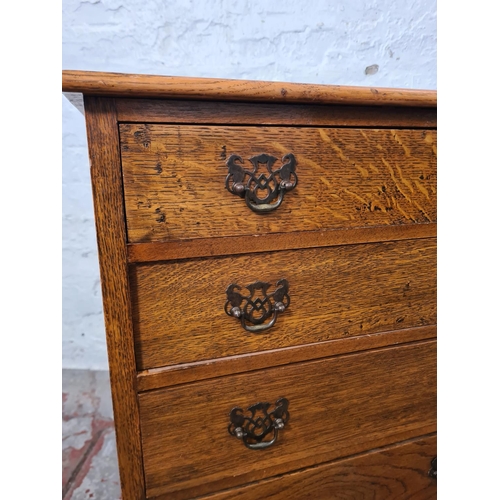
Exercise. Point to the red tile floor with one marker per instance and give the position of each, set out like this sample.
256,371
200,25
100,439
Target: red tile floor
89,462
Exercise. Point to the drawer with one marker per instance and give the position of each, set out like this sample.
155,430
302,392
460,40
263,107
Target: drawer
334,292
174,179
337,407
396,472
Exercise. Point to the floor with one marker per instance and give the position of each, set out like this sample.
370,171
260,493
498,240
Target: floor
89,461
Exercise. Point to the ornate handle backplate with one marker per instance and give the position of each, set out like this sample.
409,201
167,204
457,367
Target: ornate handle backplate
260,429
257,307
262,193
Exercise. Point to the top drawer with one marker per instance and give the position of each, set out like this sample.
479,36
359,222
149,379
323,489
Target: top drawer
175,179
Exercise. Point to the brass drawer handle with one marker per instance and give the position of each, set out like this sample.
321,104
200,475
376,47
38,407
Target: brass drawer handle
272,187
257,307
253,430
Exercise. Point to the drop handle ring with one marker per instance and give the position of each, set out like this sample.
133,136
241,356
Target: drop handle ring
265,192
257,311
259,430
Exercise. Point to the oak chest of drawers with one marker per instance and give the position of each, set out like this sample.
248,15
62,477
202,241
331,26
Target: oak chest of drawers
268,269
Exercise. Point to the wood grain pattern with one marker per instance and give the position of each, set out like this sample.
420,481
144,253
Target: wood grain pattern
234,245
355,239
338,407
174,179
104,153
119,85
335,292
395,472
239,113
191,372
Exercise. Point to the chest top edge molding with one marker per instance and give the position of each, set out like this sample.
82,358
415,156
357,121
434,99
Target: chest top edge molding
174,87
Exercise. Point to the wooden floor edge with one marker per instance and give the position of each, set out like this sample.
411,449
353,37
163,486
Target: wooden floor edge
158,378
234,245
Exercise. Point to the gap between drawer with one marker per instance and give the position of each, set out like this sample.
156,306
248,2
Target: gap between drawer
157,378
233,245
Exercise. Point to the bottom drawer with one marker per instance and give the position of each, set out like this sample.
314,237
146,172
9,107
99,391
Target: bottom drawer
398,472
338,406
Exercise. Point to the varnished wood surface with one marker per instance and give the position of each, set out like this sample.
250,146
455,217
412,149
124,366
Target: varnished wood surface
191,372
239,113
335,292
105,170
120,85
338,406
349,292
396,472
234,245
174,179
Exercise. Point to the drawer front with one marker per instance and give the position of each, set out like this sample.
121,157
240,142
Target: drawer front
334,292
337,407
396,472
175,179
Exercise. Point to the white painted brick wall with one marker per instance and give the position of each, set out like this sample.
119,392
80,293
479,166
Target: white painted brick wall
347,42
